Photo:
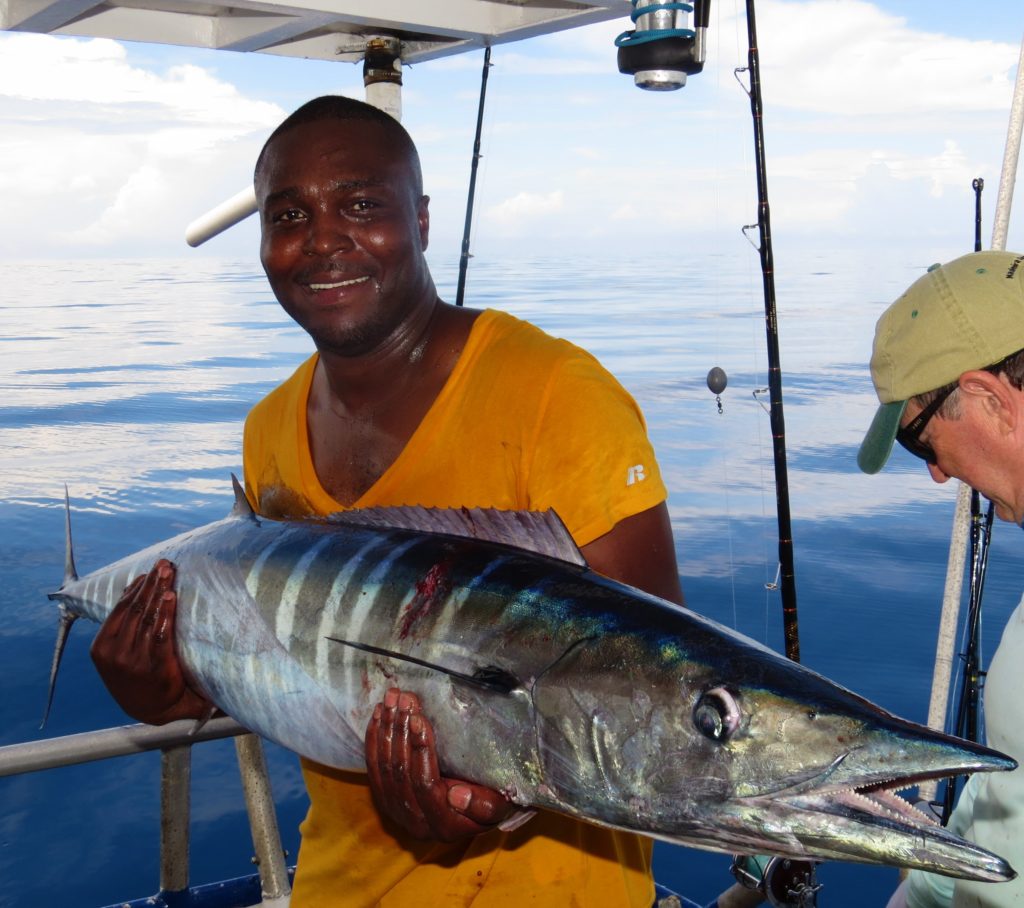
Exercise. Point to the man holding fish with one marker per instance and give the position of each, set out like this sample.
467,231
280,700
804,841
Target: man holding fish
556,686
948,368
411,401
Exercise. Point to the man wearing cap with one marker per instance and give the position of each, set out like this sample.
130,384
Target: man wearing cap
948,368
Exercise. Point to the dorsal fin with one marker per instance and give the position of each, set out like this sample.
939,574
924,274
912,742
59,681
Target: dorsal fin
536,531
69,555
241,508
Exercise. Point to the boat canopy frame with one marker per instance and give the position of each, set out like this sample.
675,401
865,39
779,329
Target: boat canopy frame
311,29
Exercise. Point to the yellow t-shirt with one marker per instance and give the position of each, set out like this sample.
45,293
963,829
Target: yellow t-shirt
526,422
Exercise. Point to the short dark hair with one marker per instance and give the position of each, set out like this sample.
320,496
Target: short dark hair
1011,366
340,107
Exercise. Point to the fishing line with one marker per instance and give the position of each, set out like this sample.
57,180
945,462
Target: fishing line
738,52
717,298
787,573
726,483
769,586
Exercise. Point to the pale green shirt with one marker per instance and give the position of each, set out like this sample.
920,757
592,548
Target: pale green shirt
990,811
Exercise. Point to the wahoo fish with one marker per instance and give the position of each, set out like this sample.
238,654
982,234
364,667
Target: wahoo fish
543,679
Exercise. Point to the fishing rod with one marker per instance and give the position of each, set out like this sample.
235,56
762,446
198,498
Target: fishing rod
967,723
460,293
660,53
783,882
787,578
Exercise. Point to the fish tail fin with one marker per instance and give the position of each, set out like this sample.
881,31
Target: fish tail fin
66,618
63,627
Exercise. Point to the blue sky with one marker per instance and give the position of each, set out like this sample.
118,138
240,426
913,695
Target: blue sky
877,116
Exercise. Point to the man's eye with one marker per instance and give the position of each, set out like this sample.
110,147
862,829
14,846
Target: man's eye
363,205
286,216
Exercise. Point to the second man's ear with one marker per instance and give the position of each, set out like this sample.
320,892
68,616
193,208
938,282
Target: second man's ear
994,394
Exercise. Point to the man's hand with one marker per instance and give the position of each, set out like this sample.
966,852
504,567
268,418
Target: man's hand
401,758
135,653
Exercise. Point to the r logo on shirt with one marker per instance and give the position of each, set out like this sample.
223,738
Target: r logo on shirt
635,474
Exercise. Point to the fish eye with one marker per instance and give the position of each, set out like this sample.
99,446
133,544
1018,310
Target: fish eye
716,714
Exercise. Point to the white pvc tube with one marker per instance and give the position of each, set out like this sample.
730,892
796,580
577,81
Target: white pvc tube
218,219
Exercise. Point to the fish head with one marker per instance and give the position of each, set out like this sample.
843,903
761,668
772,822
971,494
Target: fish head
725,745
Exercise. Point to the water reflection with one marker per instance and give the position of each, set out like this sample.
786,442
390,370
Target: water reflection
129,381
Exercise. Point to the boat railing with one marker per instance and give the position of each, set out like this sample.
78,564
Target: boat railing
175,741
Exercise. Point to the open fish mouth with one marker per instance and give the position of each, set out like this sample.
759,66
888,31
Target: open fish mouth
879,801
843,790
852,809
875,823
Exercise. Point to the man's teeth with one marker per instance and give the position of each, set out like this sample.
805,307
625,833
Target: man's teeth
336,284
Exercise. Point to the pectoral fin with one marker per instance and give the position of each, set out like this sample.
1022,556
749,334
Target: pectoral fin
489,677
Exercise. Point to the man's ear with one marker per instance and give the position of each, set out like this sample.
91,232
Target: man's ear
423,217
995,395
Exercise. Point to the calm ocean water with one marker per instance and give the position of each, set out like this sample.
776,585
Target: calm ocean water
129,381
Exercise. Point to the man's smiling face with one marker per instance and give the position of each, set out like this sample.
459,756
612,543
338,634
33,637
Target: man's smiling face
344,227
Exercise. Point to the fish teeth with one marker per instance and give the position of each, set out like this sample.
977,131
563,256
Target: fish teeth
892,804
335,284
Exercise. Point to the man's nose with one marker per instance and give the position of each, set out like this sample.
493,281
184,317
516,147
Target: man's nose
937,473
327,233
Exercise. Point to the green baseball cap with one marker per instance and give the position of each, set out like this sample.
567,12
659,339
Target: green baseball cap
964,315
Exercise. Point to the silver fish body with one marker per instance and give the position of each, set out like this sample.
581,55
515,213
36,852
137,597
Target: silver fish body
545,680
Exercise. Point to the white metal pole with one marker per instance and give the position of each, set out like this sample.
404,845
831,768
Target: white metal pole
946,646
1011,157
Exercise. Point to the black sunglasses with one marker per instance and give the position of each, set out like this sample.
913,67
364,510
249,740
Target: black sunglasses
910,435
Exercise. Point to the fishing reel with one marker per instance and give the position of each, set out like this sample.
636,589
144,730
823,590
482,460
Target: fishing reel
783,882
662,50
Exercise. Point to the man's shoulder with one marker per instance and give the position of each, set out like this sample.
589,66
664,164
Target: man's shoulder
285,397
512,336
539,370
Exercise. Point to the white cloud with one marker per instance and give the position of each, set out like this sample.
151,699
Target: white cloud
95,73
95,151
523,64
872,124
584,151
144,191
851,58
848,58
525,209
949,167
